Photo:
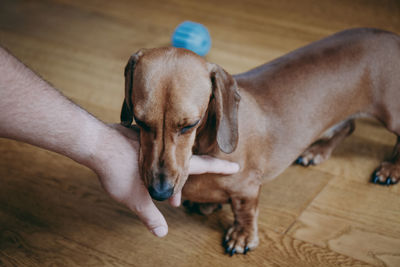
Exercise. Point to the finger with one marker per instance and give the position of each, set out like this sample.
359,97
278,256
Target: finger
205,164
143,206
175,200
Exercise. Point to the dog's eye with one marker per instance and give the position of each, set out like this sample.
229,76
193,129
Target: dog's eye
141,124
187,128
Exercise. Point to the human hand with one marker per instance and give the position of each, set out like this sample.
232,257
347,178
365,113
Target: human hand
116,164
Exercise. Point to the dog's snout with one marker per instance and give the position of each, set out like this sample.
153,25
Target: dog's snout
161,190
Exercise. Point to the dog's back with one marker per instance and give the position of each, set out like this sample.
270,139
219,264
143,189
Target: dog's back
352,73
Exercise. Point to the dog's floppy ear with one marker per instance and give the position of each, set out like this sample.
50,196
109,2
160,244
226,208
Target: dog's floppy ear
127,107
226,100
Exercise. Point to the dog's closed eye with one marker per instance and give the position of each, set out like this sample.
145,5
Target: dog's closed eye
188,127
141,124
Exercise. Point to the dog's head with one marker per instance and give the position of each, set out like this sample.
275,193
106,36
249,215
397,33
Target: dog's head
181,103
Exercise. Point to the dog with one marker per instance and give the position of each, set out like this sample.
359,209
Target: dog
296,108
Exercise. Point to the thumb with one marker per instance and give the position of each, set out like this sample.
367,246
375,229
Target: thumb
142,204
205,164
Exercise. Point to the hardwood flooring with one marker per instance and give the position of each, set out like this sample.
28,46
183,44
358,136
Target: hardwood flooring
53,211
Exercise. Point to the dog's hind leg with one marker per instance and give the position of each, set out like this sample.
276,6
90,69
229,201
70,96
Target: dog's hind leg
321,150
388,173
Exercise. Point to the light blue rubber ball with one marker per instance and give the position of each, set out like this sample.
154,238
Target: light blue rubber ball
193,36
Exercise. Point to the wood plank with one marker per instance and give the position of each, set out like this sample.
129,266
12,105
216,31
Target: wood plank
354,218
283,199
25,244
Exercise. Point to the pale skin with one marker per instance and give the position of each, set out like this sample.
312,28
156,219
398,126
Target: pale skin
32,111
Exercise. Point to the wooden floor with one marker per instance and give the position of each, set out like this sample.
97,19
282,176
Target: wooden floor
54,212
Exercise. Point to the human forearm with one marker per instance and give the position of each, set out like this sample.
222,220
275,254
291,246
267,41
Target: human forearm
31,110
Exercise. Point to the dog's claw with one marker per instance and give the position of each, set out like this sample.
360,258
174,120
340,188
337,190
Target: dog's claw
299,160
229,250
233,251
246,249
375,178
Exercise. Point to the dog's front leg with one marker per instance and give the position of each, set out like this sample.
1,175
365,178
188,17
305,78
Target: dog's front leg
243,234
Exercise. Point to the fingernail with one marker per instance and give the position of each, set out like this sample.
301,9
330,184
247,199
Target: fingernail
160,231
175,202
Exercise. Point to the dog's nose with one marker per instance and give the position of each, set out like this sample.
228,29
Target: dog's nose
161,191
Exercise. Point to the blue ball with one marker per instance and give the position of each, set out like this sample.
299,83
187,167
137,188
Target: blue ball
193,36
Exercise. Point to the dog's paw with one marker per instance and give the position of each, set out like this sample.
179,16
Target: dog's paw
315,154
201,208
239,239
387,174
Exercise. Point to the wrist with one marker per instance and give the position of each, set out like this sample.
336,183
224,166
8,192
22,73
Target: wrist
109,148
99,148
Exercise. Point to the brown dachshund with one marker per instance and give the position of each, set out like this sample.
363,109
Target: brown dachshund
263,119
